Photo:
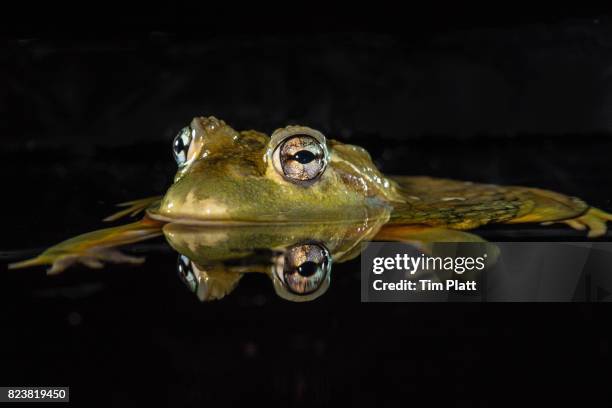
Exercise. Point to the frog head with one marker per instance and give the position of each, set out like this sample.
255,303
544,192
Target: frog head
294,175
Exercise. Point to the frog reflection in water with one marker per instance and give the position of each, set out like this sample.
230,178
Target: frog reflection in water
297,179
297,258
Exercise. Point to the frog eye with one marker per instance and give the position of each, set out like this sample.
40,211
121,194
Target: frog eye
181,144
300,154
303,268
185,271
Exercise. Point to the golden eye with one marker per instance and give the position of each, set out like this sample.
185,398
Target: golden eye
303,268
300,154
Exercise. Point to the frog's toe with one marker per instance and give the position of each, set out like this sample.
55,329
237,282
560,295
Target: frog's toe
594,220
601,214
133,208
36,261
94,259
61,263
577,225
114,255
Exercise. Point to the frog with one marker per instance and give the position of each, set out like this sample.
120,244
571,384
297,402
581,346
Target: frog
297,176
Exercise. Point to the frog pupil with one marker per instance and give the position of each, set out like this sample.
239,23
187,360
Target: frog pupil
179,145
304,157
183,266
307,269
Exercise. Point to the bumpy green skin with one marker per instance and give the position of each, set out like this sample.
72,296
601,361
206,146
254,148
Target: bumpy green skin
465,205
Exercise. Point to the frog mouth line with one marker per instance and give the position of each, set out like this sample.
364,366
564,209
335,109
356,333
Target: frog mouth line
228,223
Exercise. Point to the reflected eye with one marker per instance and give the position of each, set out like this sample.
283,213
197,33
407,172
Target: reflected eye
300,158
185,272
303,268
181,144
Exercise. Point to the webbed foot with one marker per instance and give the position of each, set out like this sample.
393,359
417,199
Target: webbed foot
594,220
92,258
94,248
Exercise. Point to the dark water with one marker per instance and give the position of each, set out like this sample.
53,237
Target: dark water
89,125
136,333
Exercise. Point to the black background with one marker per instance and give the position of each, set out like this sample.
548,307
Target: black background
88,108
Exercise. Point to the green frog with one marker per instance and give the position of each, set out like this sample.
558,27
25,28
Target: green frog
298,177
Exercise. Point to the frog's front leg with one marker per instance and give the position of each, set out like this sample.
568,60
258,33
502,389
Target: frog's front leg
94,248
